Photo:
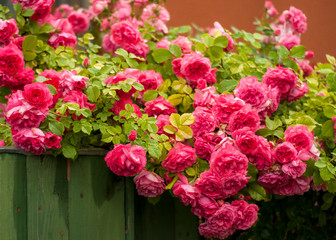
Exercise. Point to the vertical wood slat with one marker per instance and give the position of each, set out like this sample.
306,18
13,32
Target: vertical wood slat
13,197
96,201
47,189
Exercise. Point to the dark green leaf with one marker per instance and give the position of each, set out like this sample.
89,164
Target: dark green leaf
69,151
256,191
52,89
56,128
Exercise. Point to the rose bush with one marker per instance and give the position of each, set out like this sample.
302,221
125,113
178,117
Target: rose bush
224,120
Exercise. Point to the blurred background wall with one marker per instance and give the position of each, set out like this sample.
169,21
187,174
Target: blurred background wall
321,14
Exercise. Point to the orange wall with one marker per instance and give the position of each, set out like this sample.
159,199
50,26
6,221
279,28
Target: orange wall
321,14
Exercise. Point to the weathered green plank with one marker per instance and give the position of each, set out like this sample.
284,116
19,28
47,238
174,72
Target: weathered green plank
186,223
13,195
47,189
96,201
129,209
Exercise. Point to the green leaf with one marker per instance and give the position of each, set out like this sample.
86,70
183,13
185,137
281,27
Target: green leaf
52,89
221,41
121,52
190,171
207,39
175,119
185,131
29,43
93,93
317,178
175,50
171,184
252,172
327,201
138,86
169,129
46,28
154,200
29,56
256,191
69,151
161,54
187,119
290,63
216,52
264,132
328,129
27,12
17,8
150,95
154,150
272,125
331,186
325,174
331,81
227,85
56,128
298,52
329,111
282,52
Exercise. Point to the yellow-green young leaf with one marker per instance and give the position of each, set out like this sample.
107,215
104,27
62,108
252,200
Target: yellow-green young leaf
29,43
190,171
187,101
328,129
56,128
178,86
187,119
169,129
150,95
69,151
171,184
167,145
186,132
179,137
175,99
174,119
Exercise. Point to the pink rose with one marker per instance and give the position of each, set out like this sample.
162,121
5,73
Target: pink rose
298,20
140,50
246,140
296,93
205,121
63,11
205,98
2,143
163,43
233,183
289,41
42,9
149,184
126,160
159,106
79,21
69,82
300,137
132,136
18,81
140,2
188,194
11,60
271,10
163,120
294,169
246,216
208,232
225,106
121,105
302,185
228,160
80,98
125,33
62,39
205,207
245,117
123,10
63,25
218,29
179,158
204,147
30,139
261,156
183,43
52,140
107,44
223,218
150,79
38,95
285,153
7,29
122,76
306,68
282,78
272,180
251,91
209,184
154,11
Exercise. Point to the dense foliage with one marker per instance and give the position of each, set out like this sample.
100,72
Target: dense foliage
226,121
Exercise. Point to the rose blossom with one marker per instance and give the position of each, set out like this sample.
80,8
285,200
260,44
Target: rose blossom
179,158
225,105
296,93
52,140
150,79
70,82
289,41
7,29
298,19
246,140
300,137
126,160
153,11
79,21
132,136
63,11
302,185
261,156
272,180
285,153
107,44
228,160
11,60
38,95
246,216
282,78
183,43
294,169
18,81
208,232
209,184
205,121
62,39
251,91
205,207
140,50
30,139
245,117
218,30
233,183
205,98
159,106
149,184
188,194
204,147
223,218
2,143
271,10
122,76
80,98
125,33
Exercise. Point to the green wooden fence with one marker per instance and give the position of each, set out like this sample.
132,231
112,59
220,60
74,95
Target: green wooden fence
47,198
